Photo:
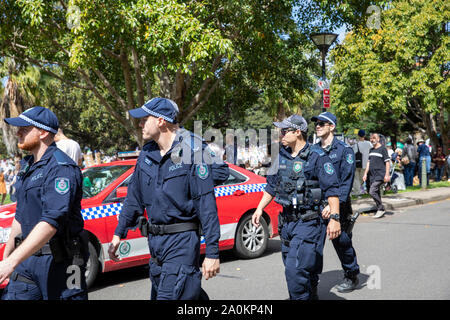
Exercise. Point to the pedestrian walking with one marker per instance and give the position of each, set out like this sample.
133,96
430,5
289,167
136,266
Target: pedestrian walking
361,150
2,187
300,179
343,160
377,172
46,244
409,161
178,194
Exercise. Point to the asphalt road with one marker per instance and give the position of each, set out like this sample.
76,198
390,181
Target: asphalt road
404,255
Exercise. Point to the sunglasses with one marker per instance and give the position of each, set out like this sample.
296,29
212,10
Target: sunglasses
322,123
284,131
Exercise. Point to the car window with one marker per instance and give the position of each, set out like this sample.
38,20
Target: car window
96,179
234,178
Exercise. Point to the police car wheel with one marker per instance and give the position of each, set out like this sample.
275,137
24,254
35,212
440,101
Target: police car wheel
251,241
93,265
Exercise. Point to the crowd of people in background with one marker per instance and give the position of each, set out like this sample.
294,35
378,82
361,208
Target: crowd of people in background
405,161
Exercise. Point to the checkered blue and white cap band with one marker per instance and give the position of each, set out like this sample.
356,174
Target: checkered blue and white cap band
37,124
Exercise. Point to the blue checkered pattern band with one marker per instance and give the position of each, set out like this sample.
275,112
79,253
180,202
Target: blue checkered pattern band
115,208
102,211
37,124
247,188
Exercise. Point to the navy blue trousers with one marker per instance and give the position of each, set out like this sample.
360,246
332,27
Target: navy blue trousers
47,281
174,268
302,254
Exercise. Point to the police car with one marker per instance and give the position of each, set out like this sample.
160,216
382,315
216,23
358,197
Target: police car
105,188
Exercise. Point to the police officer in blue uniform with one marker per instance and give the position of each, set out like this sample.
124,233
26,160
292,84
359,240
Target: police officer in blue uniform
45,256
174,183
302,178
343,159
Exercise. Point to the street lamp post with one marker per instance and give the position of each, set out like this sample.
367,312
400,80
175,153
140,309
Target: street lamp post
323,41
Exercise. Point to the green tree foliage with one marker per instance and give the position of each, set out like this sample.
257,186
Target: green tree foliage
398,71
126,52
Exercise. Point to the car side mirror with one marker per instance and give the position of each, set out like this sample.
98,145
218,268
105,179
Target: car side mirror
121,192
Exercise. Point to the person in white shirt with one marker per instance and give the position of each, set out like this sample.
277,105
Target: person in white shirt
363,146
69,146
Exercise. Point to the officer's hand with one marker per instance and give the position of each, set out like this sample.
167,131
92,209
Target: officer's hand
210,268
333,229
387,178
256,216
6,269
113,246
326,212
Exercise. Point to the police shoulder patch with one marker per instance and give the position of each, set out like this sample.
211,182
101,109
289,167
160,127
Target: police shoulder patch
202,171
349,158
62,185
329,169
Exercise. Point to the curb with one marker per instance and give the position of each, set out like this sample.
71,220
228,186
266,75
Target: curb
392,202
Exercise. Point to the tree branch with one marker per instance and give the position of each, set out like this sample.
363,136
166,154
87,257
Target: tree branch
138,75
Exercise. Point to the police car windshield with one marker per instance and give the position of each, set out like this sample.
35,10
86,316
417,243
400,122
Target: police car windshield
96,179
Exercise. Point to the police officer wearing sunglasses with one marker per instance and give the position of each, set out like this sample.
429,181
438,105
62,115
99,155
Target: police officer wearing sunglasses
343,159
300,180
45,256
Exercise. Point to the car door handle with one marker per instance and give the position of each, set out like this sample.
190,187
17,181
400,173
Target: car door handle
238,193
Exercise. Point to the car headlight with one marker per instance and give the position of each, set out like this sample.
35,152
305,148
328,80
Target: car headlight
4,234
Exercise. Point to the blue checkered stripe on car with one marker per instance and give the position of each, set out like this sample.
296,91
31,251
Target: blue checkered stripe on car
247,188
102,211
113,209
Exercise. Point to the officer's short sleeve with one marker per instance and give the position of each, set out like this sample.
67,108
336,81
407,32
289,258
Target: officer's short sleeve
59,192
272,177
347,173
202,192
325,173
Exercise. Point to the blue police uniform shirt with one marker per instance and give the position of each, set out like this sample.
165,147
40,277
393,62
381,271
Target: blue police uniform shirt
318,167
343,158
171,192
49,190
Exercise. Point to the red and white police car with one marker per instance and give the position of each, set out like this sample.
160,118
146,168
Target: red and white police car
104,189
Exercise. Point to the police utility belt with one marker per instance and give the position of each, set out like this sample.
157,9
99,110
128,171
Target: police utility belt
73,249
147,228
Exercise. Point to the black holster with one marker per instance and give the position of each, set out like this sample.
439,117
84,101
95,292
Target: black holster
142,225
75,248
351,222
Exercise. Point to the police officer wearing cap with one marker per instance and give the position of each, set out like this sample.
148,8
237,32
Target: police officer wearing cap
303,176
343,159
175,185
46,253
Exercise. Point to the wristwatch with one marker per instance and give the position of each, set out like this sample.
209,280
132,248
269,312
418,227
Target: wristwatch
335,216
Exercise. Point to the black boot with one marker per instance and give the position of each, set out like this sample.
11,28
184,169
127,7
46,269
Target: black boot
348,285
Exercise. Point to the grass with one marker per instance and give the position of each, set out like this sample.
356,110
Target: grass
432,185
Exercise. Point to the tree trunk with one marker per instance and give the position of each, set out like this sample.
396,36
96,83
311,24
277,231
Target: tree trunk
11,106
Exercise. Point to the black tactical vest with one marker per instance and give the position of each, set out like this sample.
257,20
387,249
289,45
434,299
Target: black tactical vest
294,192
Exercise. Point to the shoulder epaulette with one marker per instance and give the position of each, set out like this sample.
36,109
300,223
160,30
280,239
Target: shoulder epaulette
61,157
317,149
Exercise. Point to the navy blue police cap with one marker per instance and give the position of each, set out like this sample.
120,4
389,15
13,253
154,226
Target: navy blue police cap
327,117
39,117
157,107
295,122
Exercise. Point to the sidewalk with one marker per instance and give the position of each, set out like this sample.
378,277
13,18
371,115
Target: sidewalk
405,199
